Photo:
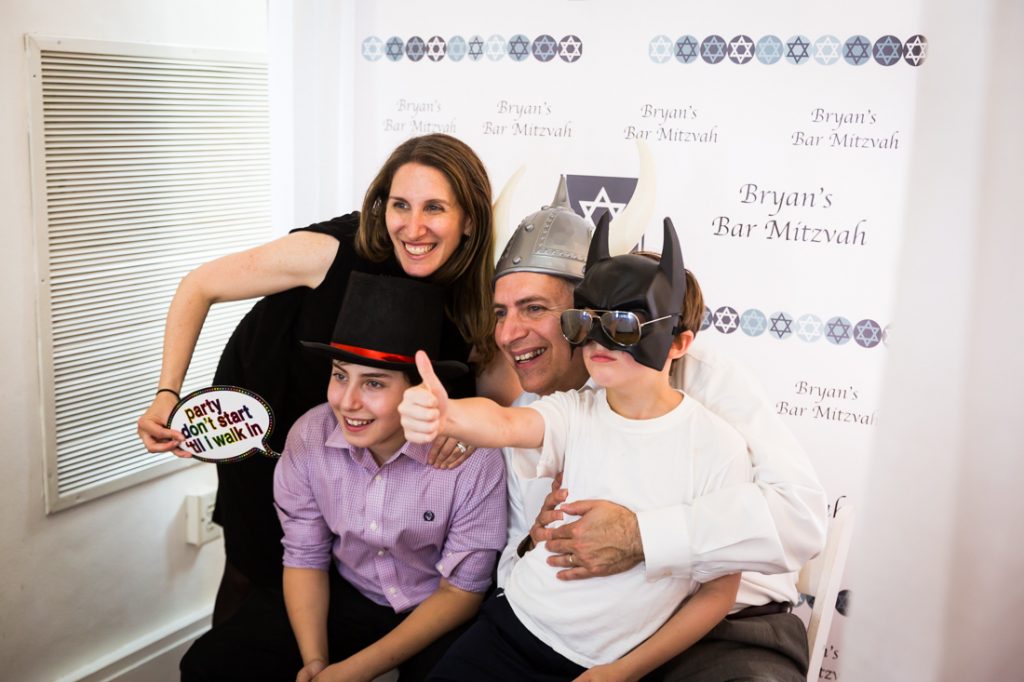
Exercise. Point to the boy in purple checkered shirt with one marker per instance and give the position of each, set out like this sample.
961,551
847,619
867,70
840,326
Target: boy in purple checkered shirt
385,556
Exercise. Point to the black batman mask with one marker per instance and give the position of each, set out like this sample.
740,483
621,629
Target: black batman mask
637,284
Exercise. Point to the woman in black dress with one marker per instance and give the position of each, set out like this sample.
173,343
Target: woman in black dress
427,215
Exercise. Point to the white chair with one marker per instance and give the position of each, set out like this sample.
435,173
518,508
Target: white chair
820,578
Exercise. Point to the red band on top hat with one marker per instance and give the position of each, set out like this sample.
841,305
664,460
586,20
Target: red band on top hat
373,354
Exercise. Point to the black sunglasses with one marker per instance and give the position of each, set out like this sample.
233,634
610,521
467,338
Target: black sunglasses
622,327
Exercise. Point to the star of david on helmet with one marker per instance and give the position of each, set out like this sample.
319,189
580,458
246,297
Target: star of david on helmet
629,303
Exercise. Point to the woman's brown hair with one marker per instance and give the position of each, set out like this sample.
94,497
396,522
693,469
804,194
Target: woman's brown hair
467,274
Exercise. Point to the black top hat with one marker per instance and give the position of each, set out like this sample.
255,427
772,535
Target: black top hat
383,322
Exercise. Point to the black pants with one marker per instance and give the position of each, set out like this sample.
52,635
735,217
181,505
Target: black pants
257,642
498,647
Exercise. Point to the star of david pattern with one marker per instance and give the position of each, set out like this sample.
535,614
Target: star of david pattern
753,322
570,49
797,50
457,48
857,50
915,50
373,49
602,200
888,50
705,321
768,49
436,49
827,50
867,333
725,319
660,49
808,327
415,48
544,48
741,50
782,325
686,49
495,48
476,48
394,48
712,49
837,330
519,47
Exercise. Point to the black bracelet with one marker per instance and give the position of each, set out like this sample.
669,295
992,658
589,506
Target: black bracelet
169,390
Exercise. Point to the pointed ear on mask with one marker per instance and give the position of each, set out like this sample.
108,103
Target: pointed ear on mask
599,242
672,265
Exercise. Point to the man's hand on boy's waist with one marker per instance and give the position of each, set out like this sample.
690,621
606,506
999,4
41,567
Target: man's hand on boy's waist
605,540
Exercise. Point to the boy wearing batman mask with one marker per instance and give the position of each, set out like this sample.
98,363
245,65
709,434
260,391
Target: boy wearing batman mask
622,443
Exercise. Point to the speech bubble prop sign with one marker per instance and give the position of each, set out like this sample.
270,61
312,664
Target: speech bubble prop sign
223,424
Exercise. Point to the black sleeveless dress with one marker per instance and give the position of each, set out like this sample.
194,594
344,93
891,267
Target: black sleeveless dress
264,356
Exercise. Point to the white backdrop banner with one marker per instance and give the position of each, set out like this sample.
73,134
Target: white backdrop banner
780,135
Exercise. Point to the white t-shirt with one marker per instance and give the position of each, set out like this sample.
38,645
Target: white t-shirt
640,464
777,521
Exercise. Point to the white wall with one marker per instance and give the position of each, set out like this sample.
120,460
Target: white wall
938,548
89,584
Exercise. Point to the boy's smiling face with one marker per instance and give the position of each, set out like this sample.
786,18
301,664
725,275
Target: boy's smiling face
365,402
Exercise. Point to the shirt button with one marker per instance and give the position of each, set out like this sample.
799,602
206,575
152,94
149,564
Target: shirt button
440,567
392,591
377,478
380,552
373,525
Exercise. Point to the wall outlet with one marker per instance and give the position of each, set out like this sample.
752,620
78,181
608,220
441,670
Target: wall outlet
199,525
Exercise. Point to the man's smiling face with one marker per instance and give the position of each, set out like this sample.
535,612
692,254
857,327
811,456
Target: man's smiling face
527,307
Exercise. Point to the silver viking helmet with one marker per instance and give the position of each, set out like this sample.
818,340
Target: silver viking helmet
552,241
555,240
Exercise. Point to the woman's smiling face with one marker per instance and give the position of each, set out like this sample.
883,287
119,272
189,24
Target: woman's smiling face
425,222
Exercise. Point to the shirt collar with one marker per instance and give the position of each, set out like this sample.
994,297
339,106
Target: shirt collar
414,451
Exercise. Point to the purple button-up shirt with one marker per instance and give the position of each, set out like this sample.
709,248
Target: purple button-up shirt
394,530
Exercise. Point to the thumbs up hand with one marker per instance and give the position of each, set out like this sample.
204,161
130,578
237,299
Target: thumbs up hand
424,408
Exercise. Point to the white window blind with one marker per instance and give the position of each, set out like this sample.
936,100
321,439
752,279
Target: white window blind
147,161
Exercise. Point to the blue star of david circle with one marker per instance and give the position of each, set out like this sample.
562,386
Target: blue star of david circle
373,49
436,48
705,321
808,327
798,50
570,48
915,50
415,48
660,49
888,50
545,48
780,325
837,330
768,49
394,48
885,335
685,49
725,319
753,322
741,49
495,48
856,50
712,49
456,48
867,333
827,50
518,47
476,48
